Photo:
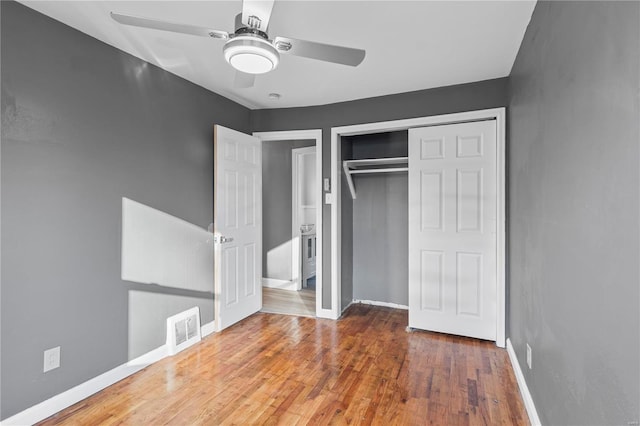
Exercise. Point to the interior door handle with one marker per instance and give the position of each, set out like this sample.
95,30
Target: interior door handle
221,239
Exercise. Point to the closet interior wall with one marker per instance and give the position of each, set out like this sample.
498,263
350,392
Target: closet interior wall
375,223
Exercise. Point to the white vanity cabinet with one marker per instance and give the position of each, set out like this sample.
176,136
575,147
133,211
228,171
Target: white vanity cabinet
308,256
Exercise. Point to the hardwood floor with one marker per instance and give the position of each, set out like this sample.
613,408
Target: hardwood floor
278,301
276,369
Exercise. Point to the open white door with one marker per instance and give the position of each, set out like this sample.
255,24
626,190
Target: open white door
452,229
237,222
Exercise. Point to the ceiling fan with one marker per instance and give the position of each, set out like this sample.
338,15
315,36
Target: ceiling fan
248,49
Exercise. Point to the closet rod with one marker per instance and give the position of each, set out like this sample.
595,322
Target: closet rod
353,167
389,170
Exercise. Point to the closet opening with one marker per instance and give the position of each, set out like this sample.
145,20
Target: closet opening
437,229
374,209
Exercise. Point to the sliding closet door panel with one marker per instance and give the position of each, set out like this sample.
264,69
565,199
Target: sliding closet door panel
452,229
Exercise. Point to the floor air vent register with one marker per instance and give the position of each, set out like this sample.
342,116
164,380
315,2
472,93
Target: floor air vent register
183,330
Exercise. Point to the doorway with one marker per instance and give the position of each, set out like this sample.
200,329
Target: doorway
292,222
288,231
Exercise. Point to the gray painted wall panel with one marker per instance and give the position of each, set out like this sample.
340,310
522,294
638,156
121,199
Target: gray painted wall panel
442,100
574,211
380,238
84,125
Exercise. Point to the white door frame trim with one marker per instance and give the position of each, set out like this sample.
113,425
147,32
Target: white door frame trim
315,134
498,114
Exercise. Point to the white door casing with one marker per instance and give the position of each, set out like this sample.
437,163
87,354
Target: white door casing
303,203
453,229
314,134
237,226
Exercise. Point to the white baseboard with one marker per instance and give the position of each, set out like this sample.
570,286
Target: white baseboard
522,384
84,390
208,329
281,284
67,398
385,304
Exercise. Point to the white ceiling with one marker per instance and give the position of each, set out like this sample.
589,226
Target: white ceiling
410,45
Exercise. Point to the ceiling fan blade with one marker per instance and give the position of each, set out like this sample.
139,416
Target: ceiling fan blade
323,52
260,9
168,26
243,80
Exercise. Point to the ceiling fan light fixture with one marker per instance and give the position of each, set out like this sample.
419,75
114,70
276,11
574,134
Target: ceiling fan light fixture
251,54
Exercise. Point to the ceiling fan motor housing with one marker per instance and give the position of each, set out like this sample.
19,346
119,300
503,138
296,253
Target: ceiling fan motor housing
249,49
251,54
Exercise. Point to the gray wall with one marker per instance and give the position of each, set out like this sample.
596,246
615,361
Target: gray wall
574,211
442,100
276,189
380,222
84,125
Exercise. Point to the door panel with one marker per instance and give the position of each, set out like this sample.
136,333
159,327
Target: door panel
431,200
431,279
452,229
237,226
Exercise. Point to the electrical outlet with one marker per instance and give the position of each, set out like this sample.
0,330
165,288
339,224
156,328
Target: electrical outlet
529,356
51,359
327,184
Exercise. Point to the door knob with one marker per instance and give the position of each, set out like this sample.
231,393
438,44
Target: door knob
221,239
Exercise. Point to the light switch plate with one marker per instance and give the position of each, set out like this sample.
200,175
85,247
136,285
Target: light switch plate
328,198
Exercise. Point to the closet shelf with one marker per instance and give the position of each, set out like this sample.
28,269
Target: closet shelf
373,165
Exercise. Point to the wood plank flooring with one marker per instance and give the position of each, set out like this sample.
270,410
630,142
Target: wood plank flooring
277,369
278,301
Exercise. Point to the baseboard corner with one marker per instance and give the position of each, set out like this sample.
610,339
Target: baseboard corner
208,328
346,307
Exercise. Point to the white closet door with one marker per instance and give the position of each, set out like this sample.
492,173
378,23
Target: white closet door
452,229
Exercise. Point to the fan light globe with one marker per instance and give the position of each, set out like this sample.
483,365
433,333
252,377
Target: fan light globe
251,55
